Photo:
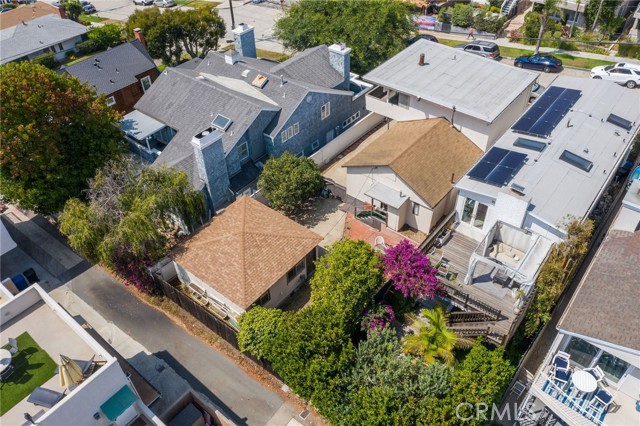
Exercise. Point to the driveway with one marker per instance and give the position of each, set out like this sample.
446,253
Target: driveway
545,79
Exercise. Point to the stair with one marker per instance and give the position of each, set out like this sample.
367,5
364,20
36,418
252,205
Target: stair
508,8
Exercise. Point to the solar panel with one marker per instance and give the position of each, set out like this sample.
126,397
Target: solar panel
620,122
530,144
545,114
576,160
498,166
221,122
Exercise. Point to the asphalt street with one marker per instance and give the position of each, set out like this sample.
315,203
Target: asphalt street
245,401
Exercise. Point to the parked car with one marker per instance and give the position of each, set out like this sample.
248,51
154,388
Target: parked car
143,2
164,3
486,49
87,8
623,73
5,9
423,37
535,92
546,63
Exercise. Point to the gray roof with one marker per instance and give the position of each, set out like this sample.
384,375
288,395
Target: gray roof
288,95
113,69
605,305
311,66
35,35
188,104
553,187
476,86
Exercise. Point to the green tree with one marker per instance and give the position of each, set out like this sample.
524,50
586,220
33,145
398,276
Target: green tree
549,7
289,181
109,35
602,12
481,378
73,9
346,279
374,30
171,34
462,15
131,213
55,133
258,328
435,341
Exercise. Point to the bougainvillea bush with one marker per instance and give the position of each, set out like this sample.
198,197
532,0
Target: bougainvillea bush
378,318
411,271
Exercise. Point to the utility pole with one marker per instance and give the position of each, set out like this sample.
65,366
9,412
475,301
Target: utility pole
233,20
595,21
575,18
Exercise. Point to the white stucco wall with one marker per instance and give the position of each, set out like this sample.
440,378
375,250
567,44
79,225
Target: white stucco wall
359,179
482,133
78,407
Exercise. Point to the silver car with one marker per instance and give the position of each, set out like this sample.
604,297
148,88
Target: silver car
164,3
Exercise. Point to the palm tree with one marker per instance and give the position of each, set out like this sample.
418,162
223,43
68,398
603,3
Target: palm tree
549,7
435,341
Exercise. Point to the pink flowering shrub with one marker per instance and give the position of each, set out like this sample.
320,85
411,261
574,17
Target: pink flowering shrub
378,318
410,271
133,271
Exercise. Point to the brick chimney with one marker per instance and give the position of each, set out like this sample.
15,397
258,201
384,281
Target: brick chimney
60,12
139,35
340,59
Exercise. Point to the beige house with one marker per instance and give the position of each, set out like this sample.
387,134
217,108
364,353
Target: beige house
248,255
408,173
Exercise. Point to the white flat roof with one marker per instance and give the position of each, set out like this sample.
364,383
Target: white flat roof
139,125
387,195
476,86
555,188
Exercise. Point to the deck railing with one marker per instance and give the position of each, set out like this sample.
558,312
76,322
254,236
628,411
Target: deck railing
465,317
466,301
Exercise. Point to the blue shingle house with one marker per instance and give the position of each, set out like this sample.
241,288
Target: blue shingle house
220,118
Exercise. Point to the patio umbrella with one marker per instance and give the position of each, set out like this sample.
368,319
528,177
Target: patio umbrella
70,372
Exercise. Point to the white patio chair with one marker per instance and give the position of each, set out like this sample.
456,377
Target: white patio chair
596,372
561,361
518,388
14,345
379,240
601,400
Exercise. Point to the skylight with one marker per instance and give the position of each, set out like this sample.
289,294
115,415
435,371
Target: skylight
620,122
530,144
221,122
576,160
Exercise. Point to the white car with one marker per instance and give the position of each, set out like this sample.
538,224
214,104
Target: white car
622,73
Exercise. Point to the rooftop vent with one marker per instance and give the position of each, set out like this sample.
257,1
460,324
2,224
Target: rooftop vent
517,188
259,81
421,59
245,73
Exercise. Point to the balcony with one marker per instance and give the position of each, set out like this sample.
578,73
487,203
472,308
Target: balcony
574,407
392,104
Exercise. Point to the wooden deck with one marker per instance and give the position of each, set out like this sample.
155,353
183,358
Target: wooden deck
457,252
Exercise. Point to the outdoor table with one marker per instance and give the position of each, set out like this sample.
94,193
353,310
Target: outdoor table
5,359
584,381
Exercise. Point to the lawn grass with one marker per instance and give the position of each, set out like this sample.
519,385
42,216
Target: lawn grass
567,59
80,59
91,18
33,367
274,56
198,4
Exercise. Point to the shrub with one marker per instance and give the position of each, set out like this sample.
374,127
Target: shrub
629,50
46,60
494,9
444,15
109,35
462,15
87,46
377,318
488,22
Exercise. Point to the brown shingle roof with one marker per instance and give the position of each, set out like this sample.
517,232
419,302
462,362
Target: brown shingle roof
26,13
243,252
605,306
424,154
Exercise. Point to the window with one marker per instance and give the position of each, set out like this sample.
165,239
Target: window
467,210
383,206
416,209
612,367
290,132
296,128
111,101
325,110
264,299
586,355
481,214
530,144
582,353
403,100
351,119
146,82
315,145
221,122
295,271
243,150
283,136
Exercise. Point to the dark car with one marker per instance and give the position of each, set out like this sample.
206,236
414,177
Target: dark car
485,49
427,37
546,63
